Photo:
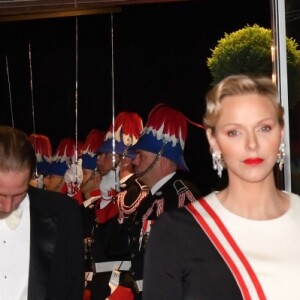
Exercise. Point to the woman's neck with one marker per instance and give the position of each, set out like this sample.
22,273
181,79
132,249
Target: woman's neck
257,201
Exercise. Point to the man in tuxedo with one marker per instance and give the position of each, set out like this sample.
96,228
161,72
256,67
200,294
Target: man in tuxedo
41,252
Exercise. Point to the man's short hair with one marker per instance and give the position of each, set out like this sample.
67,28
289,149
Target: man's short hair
16,151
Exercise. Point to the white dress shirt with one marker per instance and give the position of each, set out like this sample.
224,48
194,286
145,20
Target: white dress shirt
14,256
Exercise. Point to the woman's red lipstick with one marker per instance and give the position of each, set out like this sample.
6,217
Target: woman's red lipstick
253,161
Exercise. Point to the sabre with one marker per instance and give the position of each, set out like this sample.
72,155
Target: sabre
31,90
113,100
77,180
9,93
36,175
76,92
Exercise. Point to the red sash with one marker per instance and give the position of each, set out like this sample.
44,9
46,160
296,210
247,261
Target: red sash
216,231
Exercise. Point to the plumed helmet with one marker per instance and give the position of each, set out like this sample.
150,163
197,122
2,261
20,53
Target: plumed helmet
165,133
64,155
43,152
127,130
89,151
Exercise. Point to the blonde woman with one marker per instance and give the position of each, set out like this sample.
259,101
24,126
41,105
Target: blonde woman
242,242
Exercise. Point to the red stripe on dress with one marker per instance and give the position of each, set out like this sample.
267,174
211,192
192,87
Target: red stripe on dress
221,249
236,248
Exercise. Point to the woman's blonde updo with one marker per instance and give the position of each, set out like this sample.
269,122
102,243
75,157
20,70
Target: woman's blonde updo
239,85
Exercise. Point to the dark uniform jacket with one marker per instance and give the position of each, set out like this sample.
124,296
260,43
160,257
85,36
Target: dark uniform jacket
175,193
110,242
56,265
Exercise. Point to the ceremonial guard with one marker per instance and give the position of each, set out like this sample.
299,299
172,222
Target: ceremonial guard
90,189
159,155
65,172
43,152
109,245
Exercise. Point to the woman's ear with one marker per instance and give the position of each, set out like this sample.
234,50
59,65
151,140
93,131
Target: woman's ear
211,140
282,134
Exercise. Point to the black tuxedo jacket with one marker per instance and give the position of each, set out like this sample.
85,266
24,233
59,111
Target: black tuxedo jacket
56,268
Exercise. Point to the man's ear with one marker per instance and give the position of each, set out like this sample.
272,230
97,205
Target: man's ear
97,177
126,161
166,163
163,161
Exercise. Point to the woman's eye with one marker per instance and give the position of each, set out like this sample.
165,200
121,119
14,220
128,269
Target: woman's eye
232,133
266,128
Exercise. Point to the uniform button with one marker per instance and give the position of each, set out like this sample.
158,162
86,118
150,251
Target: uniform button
136,222
132,255
133,273
134,238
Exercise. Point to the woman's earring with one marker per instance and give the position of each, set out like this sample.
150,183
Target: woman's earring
217,163
281,156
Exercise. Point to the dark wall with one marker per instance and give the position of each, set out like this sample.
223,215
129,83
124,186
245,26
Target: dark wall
160,53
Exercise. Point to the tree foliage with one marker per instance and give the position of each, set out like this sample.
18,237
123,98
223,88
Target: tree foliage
248,51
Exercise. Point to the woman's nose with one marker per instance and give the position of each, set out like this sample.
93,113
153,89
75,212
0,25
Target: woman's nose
252,142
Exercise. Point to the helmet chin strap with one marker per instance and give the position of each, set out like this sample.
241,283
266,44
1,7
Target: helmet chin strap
150,167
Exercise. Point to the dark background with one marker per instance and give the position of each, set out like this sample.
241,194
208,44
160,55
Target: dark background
160,53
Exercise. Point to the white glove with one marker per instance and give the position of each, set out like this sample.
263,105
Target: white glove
38,181
108,186
73,177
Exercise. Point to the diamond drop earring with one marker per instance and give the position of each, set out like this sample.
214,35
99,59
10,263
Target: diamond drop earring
281,156
217,163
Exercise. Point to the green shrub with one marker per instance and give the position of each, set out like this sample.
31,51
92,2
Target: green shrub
248,51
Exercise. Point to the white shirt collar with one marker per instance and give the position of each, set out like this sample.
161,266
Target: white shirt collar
161,182
125,178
